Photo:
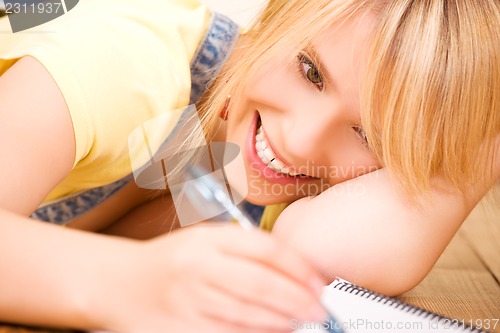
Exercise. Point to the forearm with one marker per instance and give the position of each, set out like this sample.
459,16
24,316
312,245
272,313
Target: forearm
54,276
366,230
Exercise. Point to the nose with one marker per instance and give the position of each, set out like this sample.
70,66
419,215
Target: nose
313,131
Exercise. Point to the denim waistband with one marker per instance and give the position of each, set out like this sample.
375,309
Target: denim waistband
212,53
216,45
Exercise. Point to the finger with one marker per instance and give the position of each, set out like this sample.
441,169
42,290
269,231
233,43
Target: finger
221,326
253,282
262,247
227,327
239,315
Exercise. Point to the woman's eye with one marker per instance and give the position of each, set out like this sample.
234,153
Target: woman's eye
362,136
310,71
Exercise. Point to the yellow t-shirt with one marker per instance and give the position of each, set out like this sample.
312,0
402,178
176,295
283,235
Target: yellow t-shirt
270,216
118,63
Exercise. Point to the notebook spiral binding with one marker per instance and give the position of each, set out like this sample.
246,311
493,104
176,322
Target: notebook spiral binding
397,304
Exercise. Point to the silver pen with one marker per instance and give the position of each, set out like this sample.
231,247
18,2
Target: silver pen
214,193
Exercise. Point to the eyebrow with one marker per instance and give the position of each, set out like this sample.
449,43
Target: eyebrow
325,74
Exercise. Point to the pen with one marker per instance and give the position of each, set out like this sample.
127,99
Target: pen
212,192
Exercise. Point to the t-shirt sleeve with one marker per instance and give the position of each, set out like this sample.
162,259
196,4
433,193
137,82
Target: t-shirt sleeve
117,63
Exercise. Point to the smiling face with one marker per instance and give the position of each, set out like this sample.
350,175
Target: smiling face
298,123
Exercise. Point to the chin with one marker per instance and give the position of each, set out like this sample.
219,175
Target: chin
253,190
262,200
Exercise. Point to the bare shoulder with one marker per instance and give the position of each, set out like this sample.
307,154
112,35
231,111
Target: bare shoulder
36,135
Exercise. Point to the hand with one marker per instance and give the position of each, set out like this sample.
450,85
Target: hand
215,279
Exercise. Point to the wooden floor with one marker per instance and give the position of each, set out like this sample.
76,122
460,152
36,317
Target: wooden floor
464,283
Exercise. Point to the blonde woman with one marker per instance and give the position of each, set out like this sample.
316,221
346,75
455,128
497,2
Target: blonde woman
381,123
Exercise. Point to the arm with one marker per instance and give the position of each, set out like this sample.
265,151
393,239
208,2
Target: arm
53,276
374,237
36,136
37,149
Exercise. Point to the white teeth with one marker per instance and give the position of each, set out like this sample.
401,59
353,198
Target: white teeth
265,160
277,164
267,156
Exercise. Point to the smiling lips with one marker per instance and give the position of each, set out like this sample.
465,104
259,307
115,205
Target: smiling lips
269,158
264,161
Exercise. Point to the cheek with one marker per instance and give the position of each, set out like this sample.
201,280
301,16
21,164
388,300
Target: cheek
271,84
351,168
348,159
363,169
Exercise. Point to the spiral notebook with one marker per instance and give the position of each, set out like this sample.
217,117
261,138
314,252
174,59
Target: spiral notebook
360,310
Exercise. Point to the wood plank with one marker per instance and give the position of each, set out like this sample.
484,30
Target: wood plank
464,282
464,295
482,231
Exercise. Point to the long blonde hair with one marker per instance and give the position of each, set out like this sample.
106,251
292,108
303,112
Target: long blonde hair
431,93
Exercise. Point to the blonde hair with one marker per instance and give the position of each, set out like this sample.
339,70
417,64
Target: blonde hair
431,93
